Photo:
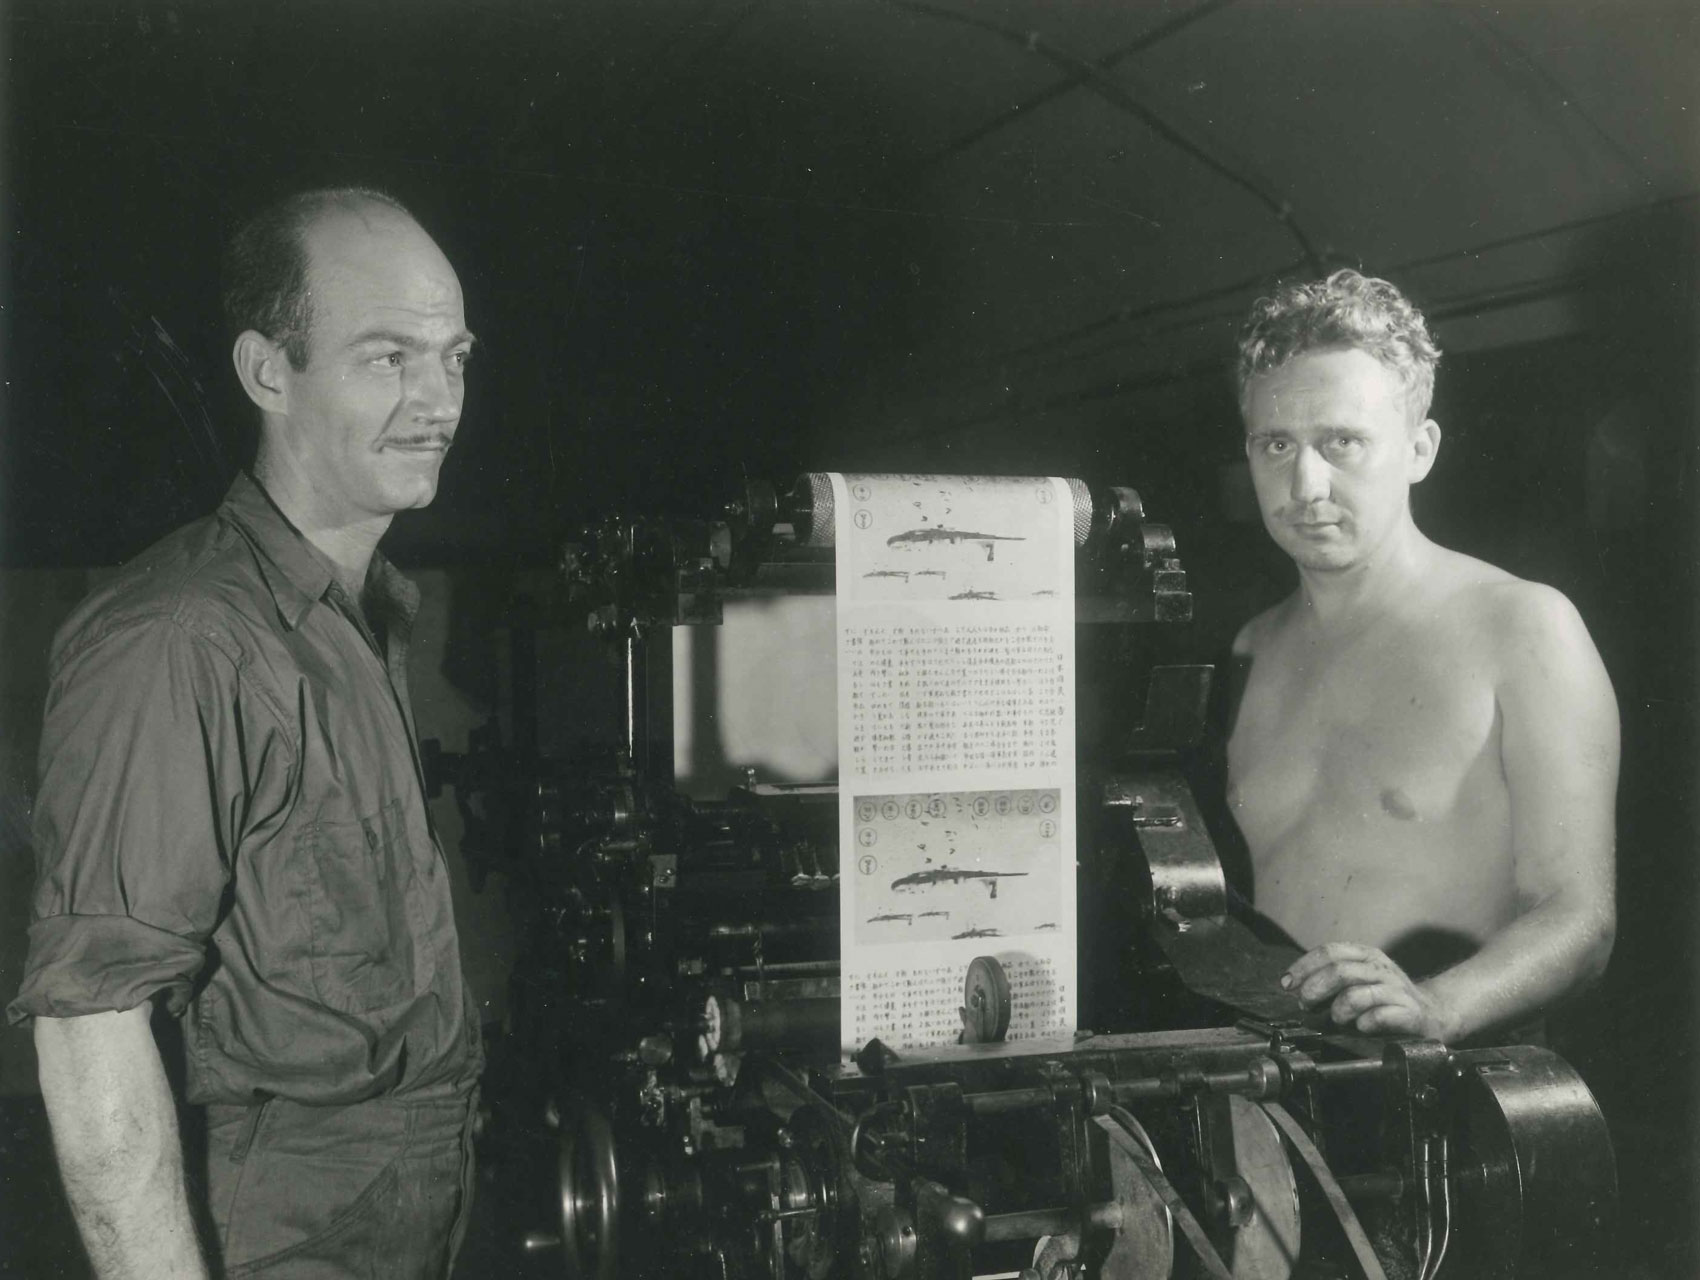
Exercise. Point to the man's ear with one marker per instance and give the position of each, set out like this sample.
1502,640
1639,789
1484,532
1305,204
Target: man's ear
262,367
1425,444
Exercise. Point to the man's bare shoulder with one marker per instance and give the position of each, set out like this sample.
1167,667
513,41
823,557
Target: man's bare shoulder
1530,644
1257,634
1512,619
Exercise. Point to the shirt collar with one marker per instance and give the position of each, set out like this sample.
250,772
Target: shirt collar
398,594
297,573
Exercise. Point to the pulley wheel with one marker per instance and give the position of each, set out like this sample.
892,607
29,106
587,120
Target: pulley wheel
612,978
825,1245
1144,1247
986,1002
1263,1242
589,1192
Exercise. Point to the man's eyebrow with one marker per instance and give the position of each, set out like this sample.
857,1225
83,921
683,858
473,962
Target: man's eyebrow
407,341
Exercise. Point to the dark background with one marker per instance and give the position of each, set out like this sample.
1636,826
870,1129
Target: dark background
705,237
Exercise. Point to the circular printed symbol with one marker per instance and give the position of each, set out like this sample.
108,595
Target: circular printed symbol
867,864
935,807
889,810
1047,828
1044,494
1024,804
862,519
861,491
912,810
865,811
1047,803
1001,804
982,806
867,837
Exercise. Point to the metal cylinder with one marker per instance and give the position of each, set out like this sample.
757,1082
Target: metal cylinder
767,929
813,505
1033,1223
752,1025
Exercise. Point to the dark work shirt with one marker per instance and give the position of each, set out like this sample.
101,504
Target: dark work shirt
230,817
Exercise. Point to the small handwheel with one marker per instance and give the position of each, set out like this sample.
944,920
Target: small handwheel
712,1024
590,1193
985,1002
826,1245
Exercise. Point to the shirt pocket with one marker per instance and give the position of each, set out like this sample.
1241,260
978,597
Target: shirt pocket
360,891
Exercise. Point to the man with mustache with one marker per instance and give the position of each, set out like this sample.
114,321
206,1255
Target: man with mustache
231,823
1424,756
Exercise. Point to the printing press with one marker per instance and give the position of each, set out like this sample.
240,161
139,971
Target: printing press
672,1098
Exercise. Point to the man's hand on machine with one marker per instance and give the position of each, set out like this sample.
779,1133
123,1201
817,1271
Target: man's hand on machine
1365,990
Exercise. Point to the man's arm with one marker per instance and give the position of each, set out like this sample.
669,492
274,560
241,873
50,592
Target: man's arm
115,1133
1559,750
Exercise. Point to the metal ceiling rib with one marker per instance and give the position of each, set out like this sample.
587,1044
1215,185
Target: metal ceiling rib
1024,109
1119,95
1522,72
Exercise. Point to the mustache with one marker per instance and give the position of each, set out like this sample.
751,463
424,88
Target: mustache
1300,514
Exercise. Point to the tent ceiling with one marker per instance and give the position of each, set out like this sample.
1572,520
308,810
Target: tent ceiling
778,212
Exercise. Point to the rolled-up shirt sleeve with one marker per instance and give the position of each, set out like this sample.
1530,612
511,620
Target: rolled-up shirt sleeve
144,788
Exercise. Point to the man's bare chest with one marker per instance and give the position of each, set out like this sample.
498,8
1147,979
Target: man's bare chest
1401,731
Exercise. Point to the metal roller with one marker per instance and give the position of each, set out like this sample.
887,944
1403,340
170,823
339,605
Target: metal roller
986,1002
1534,1166
813,507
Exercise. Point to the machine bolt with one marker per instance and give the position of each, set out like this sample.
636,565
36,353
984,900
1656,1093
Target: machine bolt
1235,1201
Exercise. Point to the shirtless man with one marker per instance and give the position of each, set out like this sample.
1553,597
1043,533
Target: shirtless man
1424,759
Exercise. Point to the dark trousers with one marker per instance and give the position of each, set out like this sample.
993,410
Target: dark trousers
377,1189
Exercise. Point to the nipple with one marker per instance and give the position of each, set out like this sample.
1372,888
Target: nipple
1397,803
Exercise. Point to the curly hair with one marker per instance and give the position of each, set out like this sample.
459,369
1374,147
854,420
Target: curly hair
1345,310
265,265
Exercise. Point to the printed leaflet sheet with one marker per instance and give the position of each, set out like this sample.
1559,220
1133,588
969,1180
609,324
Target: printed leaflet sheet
956,750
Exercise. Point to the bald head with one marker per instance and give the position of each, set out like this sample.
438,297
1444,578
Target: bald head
372,261
267,262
